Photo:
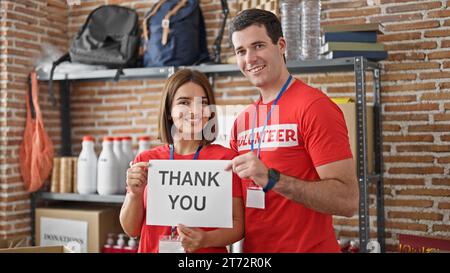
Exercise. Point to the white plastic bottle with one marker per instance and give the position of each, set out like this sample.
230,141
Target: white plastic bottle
310,29
132,243
110,240
120,241
373,246
107,170
123,164
87,167
108,246
144,144
127,149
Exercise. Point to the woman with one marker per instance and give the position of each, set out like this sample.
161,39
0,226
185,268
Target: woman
185,126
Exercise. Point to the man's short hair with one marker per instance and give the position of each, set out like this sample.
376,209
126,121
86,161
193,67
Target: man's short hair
257,17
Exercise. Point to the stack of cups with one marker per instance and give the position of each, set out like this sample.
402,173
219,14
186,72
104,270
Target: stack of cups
290,23
310,30
56,175
66,175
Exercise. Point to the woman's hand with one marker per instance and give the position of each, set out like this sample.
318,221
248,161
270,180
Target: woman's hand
192,239
137,178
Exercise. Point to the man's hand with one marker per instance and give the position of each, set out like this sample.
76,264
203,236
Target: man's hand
248,166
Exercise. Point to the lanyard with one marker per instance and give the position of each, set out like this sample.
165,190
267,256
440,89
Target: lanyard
195,156
171,158
267,119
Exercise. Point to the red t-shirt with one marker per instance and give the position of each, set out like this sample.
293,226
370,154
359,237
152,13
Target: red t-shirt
306,130
150,233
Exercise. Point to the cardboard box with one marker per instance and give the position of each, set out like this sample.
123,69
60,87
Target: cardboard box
349,110
423,244
87,227
19,241
37,249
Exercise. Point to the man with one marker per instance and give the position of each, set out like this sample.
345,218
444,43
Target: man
294,158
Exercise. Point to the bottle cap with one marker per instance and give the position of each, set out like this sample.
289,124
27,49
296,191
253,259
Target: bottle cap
108,138
147,138
88,138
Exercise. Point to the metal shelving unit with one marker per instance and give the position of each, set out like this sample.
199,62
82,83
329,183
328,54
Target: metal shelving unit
358,65
310,66
95,198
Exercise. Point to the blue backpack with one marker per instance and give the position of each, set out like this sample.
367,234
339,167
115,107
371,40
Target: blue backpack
174,34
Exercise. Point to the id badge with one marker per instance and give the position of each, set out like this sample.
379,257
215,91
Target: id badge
255,198
168,244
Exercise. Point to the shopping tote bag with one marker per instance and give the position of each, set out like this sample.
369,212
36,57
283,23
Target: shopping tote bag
36,150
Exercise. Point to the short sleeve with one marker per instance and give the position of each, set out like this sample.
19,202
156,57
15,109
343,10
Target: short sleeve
233,137
138,158
236,180
237,188
324,132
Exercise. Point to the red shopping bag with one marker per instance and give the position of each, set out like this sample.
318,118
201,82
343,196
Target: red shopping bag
36,151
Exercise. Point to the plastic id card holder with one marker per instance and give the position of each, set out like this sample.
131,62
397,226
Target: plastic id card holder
255,198
168,244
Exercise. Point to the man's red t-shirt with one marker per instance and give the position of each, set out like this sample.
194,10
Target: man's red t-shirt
306,130
150,234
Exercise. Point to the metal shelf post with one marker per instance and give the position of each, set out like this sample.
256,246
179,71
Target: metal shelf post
66,143
379,158
362,159
33,218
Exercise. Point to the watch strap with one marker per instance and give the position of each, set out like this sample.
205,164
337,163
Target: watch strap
274,176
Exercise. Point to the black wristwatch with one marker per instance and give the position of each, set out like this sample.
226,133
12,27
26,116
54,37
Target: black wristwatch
274,177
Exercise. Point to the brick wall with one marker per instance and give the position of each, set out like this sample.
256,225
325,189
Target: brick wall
415,95
3,109
25,26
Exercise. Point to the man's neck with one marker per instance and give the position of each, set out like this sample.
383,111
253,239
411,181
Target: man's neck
270,92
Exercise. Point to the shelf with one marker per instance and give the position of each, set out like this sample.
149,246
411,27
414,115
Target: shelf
80,197
358,65
108,74
296,67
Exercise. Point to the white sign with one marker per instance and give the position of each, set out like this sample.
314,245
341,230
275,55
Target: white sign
56,231
195,193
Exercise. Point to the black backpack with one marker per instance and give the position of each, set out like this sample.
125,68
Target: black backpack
174,34
110,36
